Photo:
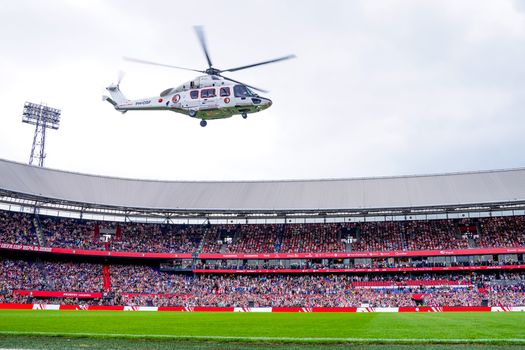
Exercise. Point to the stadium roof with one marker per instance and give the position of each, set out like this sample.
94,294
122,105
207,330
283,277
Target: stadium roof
334,195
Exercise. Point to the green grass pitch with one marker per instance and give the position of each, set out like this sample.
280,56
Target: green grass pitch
171,330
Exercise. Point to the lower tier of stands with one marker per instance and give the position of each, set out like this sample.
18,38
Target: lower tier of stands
95,283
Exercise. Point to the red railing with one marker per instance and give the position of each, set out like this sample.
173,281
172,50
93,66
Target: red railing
242,256
360,270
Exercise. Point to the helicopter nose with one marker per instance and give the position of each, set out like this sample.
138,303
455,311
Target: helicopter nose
261,101
266,102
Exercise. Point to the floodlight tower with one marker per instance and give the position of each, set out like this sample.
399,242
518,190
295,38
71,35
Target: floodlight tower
43,117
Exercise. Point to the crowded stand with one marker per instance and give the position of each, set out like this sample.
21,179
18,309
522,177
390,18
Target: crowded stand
49,275
378,236
241,238
502,232
17,228
72,233
69,233
411,235
192,281
147,280
300,238
147,285
156,238
255,239
434,235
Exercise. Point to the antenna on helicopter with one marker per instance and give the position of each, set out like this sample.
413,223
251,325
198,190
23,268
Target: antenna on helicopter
199,30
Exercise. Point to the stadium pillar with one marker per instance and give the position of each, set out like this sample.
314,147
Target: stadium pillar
96,233
106,277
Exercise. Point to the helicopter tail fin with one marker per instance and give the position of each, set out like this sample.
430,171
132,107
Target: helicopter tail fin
117,97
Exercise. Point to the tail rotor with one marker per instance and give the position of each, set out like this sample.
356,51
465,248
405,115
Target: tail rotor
121,75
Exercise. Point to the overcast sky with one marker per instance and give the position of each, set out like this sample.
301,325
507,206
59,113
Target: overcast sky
378,88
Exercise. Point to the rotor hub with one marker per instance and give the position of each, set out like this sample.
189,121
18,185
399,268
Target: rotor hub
213,71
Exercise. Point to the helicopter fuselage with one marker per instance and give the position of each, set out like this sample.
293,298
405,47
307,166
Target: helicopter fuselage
206,97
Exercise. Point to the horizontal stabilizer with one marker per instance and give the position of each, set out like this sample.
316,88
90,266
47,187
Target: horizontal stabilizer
107,98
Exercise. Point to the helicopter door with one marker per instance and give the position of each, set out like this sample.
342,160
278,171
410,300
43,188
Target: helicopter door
209,99
193,101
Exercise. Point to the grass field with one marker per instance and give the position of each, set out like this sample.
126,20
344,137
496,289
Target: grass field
171,330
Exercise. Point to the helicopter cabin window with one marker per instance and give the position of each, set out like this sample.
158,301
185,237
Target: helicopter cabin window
194,94
241,91
225,91
207,93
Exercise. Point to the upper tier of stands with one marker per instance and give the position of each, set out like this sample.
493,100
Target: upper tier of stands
25,229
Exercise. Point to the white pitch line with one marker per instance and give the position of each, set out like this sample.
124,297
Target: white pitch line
285,339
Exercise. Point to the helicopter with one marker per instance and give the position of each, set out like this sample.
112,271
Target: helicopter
206,97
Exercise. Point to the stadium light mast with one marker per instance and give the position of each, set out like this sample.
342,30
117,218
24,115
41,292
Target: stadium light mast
43,117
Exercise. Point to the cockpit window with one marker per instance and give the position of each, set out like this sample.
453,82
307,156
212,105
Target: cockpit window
242,91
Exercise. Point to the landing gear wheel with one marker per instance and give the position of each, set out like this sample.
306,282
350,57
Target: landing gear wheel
203,123
193,114
244,115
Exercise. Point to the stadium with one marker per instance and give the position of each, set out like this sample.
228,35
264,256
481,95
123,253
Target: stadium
448,244
262,175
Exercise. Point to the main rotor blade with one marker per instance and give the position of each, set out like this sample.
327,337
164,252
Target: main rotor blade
259,64
238,82
160,64
202,39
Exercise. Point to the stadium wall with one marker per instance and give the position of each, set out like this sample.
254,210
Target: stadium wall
262,309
